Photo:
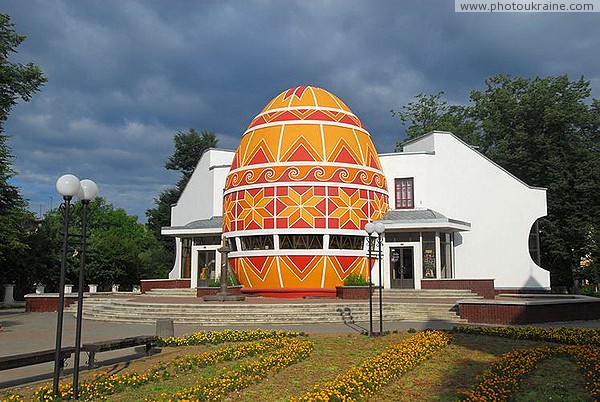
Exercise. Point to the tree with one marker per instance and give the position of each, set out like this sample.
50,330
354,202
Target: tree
120,249
431,112
17,82
189,147
546,132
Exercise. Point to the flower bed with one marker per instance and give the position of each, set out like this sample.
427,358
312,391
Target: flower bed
502,379
228,335
292,351
103,385
366,379
573,336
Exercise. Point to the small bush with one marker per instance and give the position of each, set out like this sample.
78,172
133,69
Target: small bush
355,280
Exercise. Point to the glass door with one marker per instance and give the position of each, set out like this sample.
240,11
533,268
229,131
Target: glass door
402,262
206,266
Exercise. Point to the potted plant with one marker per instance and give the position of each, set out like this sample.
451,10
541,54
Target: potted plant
355,287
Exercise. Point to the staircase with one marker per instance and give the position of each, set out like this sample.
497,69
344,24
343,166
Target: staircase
398,305
177,292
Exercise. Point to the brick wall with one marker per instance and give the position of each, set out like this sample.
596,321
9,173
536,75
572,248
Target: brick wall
43,304
527,313
149,284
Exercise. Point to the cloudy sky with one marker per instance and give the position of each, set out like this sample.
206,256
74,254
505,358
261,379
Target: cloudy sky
124,75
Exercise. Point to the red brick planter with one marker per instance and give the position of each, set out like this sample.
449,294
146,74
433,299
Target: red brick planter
149,284
209,291
352,292
533,310
47,302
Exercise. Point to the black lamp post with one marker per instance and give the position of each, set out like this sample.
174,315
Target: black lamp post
378,228
68,186
87,192
370,228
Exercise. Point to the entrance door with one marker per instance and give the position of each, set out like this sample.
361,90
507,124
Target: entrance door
206,266
402,262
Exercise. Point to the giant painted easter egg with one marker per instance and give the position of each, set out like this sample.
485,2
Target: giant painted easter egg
303,183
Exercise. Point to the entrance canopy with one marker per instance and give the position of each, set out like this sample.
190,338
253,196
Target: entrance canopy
213,225
421,219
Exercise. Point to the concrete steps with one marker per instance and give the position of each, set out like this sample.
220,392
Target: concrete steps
178,292
119,310
427,294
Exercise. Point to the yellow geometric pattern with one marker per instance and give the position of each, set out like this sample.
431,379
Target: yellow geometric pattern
304,162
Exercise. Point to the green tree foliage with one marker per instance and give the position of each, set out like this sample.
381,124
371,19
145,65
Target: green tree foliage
189,147
432,112
546,132
17,81
120,249
17,225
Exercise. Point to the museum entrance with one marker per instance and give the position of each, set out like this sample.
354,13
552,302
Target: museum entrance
206,267
402,262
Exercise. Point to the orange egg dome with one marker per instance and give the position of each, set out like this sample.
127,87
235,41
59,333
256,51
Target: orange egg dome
303,183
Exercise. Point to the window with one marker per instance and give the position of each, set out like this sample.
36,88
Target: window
232,243
207,240
402,237
405,198
446,255
186,257
257,243
343,242
428,246
302,242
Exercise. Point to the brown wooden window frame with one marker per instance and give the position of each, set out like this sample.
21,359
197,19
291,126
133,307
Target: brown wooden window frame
409,185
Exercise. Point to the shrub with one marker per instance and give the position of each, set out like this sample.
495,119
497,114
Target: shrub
355,280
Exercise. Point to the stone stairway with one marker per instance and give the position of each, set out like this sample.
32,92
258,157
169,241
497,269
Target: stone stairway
397,306
177,292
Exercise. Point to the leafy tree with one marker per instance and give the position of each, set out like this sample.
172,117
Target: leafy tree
17,82
120,249
546,132
431,112
189,147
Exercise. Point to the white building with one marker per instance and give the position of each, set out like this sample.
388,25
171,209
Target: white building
454,214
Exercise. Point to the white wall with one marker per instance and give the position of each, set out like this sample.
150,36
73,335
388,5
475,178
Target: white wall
462,184
202,198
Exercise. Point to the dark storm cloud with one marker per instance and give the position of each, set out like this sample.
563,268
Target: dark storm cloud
125,75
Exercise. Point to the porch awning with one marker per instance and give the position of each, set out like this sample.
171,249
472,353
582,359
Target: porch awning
209,226
421,219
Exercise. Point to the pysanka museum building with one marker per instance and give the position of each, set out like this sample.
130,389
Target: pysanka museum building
293,200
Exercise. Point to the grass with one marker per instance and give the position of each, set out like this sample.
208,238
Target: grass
441,378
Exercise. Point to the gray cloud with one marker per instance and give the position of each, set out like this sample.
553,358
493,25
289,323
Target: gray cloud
125,75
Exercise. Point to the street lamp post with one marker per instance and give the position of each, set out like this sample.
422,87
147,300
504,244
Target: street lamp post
369,228
378,228
68,186
88,191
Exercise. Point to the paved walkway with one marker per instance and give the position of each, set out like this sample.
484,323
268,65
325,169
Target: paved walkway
26,332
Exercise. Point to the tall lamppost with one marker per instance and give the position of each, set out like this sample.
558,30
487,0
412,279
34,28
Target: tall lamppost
370,228
88,191
378,228
68,186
